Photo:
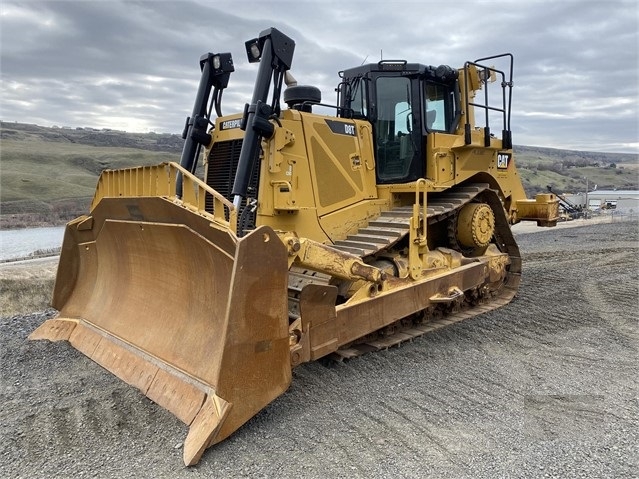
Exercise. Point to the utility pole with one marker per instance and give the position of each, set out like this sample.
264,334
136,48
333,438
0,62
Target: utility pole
587,205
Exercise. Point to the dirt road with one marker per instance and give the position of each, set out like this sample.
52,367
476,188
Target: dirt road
544,387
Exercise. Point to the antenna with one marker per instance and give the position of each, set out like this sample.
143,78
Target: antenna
381,55
364,61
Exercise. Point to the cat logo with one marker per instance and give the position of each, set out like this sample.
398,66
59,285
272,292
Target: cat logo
503,160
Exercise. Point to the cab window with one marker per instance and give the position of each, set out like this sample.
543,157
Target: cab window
358,99
395,148
438,107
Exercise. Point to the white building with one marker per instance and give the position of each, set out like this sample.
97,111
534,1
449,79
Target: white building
626,201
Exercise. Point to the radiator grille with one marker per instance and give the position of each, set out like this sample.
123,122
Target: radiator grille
220,175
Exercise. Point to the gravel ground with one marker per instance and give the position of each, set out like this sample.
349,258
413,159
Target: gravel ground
544,387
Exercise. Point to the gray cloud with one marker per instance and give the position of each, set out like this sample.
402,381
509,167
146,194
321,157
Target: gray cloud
134,65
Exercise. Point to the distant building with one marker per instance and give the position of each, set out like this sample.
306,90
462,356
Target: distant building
622,200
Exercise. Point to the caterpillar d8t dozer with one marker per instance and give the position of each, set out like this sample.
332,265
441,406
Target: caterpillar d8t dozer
309,235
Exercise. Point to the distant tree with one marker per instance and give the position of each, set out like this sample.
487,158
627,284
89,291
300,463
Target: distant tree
612,165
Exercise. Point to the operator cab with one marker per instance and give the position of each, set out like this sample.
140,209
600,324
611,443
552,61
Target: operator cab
404,102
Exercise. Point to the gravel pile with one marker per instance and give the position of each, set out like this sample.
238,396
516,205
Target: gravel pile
544,387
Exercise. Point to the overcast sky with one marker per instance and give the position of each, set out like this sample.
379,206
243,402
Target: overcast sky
133,65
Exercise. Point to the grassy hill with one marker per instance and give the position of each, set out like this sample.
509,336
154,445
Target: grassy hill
566,170
48,175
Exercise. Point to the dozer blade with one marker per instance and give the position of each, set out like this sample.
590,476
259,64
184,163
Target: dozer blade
178,307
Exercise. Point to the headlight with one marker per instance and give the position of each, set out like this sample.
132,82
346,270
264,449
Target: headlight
255,51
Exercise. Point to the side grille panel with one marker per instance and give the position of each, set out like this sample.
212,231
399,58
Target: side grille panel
220,175
221,169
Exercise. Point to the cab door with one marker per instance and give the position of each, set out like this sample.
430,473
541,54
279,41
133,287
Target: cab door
397,130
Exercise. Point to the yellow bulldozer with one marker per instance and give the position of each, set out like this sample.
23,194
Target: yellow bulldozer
308,235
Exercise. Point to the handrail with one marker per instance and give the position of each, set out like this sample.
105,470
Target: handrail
506,100
161,180
417,233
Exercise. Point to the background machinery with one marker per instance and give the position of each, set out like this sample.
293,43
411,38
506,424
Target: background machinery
567,209
309,236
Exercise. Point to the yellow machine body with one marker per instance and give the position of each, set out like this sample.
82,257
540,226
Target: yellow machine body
206,299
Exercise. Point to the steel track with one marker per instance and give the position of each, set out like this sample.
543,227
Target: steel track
387,230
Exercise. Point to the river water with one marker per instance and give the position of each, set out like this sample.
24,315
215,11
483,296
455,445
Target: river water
21,243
